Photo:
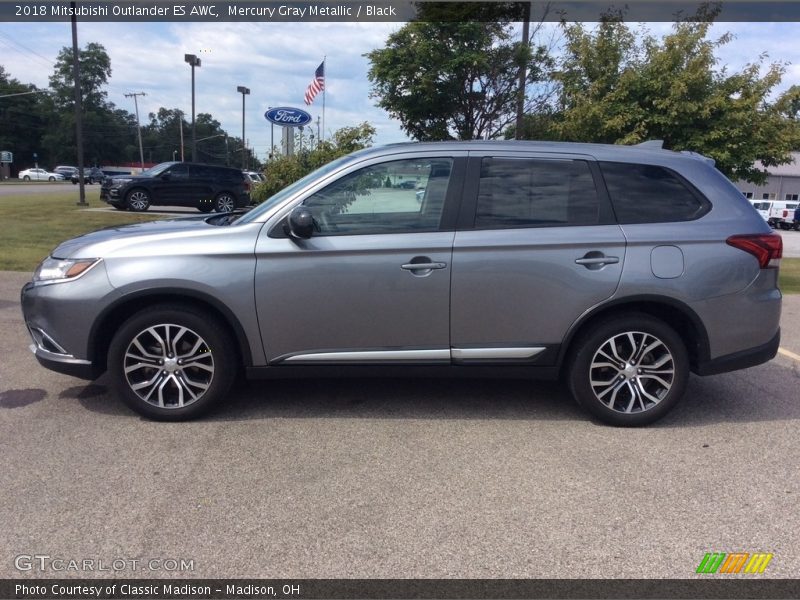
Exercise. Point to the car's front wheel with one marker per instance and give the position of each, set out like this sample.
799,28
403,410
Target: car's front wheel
171,363
224,202
629,370
26,178
138,200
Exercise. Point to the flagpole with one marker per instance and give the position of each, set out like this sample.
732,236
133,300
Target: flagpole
325,74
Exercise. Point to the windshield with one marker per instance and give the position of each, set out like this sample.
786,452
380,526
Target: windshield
291,189
158,169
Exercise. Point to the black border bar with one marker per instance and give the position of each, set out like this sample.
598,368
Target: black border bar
712,586
276,11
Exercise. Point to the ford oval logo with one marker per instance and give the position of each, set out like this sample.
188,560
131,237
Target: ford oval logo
288,117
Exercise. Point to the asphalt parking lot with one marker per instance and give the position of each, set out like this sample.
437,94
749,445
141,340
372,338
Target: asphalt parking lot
390,478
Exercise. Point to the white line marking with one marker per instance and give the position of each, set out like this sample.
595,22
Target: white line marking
791,355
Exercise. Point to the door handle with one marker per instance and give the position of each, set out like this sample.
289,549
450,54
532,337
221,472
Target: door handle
599,260
423,266
596,260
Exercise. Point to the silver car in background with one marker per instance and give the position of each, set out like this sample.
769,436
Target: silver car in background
618,269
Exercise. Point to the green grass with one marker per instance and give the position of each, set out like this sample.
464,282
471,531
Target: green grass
31,225
789,280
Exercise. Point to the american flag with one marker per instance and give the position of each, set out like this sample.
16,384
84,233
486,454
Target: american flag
317,84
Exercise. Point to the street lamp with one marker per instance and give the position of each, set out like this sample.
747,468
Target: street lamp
244,92
194,62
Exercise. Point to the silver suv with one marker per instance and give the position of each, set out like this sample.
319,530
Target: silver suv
620,269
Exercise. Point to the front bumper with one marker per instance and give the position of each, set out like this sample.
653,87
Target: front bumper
60,317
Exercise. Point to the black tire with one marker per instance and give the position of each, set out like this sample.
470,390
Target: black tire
74,182
636,390
224,202
784,226
209,343
51,179
26,178
138,200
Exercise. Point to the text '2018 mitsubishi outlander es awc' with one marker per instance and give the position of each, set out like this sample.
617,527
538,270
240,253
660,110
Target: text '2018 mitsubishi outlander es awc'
619,269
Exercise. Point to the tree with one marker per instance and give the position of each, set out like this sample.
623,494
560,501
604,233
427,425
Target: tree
446,80
618,86
285,170
21,121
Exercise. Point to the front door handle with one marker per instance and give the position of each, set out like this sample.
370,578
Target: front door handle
423,266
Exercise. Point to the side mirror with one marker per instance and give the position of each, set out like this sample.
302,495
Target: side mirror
301,223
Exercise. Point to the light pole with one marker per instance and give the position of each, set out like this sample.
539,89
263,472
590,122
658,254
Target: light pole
194,62
244,91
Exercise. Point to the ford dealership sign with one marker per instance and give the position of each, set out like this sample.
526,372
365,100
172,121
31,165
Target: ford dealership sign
288,117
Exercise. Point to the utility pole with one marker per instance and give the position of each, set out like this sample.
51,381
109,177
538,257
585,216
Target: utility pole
138,124
193,62
76,76
244,91
523,71
180,124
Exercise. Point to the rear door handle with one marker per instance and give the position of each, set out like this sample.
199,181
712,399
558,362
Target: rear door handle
599,260
596,260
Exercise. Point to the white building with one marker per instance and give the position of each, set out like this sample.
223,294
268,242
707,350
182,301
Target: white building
783,183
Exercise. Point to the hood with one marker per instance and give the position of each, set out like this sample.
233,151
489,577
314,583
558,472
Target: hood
100,243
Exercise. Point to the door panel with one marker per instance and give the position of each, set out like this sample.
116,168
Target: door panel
350,293
523,287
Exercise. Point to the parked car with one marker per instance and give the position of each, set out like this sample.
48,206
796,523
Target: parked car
206,187
91,175
66,171
619,269
253,176
36,174
781,214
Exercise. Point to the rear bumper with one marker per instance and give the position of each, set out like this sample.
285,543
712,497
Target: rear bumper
742,359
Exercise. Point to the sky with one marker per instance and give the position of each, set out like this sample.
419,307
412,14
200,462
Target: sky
277,62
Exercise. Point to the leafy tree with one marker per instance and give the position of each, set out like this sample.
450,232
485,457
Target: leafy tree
285,170
625,87
446,80
21,120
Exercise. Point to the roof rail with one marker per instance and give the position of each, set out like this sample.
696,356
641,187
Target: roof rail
651,145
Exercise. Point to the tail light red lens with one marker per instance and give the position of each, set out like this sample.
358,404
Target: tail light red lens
766,247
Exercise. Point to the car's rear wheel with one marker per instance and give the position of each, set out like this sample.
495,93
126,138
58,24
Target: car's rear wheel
26,178
629,370
51,179
138,200
224,202
171,363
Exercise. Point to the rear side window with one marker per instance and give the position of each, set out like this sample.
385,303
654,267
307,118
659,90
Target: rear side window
651,194
535,193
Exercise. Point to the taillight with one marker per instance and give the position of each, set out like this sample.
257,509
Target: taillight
785,214
766,247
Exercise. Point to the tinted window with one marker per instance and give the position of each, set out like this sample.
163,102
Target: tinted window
179,171
393,197
650,194
529,193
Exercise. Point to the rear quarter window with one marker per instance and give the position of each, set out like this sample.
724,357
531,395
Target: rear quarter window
651,194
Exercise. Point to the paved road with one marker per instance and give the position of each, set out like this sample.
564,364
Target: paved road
389,478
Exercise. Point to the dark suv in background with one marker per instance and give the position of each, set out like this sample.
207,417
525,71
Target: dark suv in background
91,175
206,187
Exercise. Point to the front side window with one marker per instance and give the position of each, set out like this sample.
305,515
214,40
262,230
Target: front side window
393,197
650,194
179,171
535,192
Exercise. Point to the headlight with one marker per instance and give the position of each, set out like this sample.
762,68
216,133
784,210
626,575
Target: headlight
120,181
55,269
